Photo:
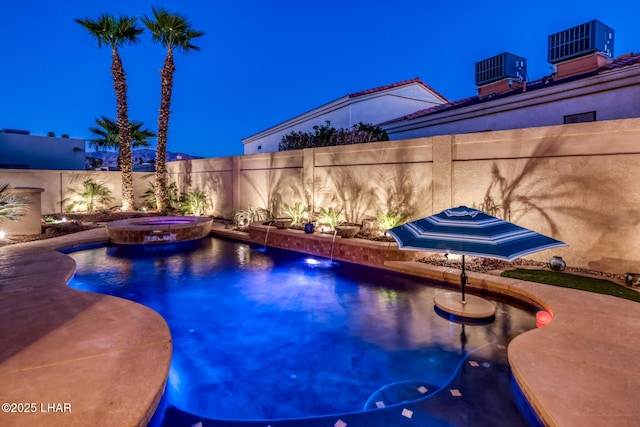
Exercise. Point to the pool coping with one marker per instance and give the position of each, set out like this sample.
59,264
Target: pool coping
577,371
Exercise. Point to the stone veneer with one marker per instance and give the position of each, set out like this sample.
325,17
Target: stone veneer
359,251
156,230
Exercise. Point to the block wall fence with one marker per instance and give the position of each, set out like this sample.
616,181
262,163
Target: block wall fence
56,184
576,183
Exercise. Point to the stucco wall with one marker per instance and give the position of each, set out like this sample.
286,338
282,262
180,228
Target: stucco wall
576,183
373,108
56,184
573,182
612,95
213,176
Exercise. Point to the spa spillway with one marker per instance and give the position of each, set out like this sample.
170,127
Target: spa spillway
158,230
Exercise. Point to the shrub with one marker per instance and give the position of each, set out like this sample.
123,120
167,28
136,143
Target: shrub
295,212
330,216
388,220
172,191
326,135
243,218
92,195
195,203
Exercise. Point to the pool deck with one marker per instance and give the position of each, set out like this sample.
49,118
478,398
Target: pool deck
107,359
75,358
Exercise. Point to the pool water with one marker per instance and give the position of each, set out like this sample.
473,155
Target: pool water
273,334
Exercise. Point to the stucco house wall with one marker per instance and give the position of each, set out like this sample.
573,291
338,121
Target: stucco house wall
41,152
371,106
614,94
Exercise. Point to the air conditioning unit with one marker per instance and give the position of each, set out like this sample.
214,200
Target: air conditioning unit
500,67
581,40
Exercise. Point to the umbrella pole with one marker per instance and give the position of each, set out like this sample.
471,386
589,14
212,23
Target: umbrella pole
463,280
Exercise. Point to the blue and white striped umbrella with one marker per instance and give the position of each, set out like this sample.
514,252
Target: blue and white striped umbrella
467,231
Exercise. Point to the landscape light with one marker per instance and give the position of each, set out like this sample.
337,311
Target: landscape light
543,318
452,257
557,264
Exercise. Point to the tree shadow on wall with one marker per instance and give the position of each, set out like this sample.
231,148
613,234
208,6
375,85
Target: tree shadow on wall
386,185
307,193
513,194
397,191
211,183
540,186
183,177
273,192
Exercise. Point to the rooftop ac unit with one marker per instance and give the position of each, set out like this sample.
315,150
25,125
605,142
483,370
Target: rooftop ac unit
582,40
500,67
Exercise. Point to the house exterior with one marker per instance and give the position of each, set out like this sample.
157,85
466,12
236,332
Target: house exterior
368,106
599,90
20,150
587,84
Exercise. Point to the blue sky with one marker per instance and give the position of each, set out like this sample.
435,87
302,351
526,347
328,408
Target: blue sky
263,62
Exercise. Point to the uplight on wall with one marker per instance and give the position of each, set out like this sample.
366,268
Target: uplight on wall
2,234
453,257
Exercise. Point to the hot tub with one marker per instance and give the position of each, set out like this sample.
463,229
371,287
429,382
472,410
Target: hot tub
158,230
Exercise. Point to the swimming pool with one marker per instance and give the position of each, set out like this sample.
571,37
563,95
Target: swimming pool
272,335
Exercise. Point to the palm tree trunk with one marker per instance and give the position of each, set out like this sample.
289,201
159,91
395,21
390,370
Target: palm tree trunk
122,120
166,88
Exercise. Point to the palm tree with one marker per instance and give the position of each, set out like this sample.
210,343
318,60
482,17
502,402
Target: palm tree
106,136
173,31
116,32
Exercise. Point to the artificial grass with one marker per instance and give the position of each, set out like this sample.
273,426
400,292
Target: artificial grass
565,280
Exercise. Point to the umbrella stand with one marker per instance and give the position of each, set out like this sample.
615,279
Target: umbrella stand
463,280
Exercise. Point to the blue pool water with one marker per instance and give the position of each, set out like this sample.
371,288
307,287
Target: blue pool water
273,335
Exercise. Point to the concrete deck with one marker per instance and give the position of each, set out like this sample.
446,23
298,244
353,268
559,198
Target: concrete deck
74,358
109,358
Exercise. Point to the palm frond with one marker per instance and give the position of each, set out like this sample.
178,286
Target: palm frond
171,30
12,206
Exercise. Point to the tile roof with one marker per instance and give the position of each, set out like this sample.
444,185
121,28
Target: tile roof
394,85
620,62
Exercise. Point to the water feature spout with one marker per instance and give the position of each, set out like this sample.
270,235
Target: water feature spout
333,242
264,248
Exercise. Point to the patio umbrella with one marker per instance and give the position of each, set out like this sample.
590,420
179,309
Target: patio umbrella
467,231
